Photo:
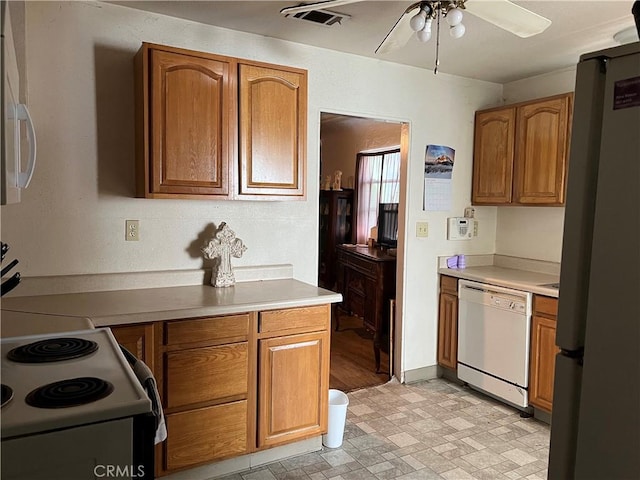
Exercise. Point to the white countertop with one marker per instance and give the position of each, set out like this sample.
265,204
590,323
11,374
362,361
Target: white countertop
170,303
14,324
525,280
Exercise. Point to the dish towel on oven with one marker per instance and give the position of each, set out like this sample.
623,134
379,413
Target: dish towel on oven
148,382
145,376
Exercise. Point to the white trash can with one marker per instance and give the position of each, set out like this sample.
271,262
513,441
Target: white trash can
338,403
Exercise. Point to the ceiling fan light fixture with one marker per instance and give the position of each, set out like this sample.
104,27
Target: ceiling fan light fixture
418,21
454,17
424,35
457,31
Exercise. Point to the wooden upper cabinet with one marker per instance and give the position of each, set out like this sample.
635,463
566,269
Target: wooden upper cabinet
272,122
210,126
189,123
542,145
521,153
493,156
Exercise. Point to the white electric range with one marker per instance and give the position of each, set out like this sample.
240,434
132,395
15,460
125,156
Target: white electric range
72,409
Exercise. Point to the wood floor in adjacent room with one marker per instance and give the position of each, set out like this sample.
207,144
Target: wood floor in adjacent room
352,361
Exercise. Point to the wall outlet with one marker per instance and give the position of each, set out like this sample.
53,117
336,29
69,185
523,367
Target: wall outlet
131,230
422,229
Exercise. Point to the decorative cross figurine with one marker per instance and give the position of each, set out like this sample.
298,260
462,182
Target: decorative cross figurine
224,245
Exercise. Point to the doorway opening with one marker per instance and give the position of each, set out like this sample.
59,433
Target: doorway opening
359,157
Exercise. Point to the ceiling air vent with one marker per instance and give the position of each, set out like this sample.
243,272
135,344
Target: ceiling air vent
323,17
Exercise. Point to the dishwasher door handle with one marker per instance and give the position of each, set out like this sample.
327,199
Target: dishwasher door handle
479,289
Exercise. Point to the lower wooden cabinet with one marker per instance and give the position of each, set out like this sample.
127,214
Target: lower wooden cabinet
207,365
206,374
206,434
293,378
448,323
138,339
293,374
543,352
220,397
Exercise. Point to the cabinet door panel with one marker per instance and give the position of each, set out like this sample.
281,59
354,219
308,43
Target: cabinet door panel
493,155
541,151
138,339
208,373
449,284
543,362
293,388
273,110
206,434
448,331
191,112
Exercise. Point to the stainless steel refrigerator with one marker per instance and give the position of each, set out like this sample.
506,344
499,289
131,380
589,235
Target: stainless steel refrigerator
595,428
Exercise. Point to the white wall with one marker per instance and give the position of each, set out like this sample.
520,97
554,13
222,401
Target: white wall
80,67
553,83
533,232
343,140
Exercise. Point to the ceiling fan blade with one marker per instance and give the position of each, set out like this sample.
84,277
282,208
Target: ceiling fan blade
400,33
509,16
316,6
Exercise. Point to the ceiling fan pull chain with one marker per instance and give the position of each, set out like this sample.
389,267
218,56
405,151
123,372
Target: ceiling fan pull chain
438,13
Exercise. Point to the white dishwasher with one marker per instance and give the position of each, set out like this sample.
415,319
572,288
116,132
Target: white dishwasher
494,325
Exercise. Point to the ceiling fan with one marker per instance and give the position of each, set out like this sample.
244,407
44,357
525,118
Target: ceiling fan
418,18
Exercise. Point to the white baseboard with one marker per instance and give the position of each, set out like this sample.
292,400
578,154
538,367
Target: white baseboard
421,374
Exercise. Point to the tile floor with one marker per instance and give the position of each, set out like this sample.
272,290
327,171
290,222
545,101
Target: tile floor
429,430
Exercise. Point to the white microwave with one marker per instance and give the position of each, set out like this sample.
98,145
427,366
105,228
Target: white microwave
14,178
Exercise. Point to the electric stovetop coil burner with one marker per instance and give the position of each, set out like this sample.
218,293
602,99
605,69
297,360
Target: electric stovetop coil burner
69,393
90,384
53,350
6,394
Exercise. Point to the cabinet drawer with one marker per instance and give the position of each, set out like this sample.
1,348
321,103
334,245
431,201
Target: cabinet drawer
206,434
545,305
207,329
206,374
448,284
309,318
362,265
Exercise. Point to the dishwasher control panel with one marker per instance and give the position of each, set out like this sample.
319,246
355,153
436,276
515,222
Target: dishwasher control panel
493,296
508,304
